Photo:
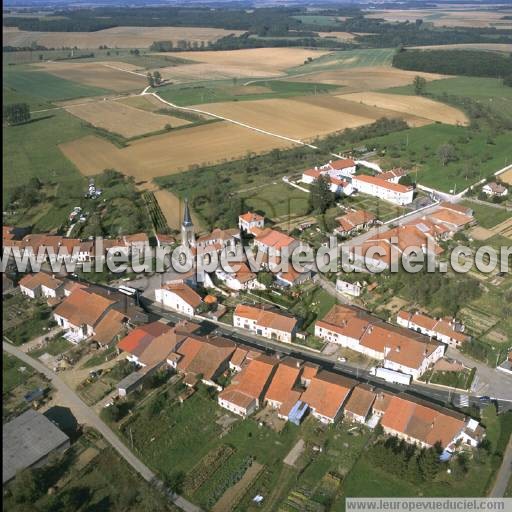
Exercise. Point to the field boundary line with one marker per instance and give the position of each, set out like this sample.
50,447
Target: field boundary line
125,70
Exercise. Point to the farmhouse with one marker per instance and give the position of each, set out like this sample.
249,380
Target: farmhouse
451,218
204,357
398,348
416,422
265,322
326,395
29,441
241,357
81,312
274,242
180,297
292,277
446,330
394,175
242,279
360,403
218,239
495,189
377,187
354,221
250,220
336,172
108,330
247,389
41,284
281,393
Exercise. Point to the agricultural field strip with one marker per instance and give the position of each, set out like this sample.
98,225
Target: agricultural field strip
125,70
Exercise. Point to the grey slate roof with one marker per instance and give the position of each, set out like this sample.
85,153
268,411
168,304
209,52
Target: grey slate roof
26,440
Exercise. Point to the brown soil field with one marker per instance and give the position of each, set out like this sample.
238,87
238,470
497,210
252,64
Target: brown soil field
506,177
242,63
480,233
169,153
290,117
421,107
496,47
504,228
339,104
123,119
95,74
367,78
342,36
447,17
117,37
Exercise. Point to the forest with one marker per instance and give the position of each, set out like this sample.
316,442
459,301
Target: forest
455,62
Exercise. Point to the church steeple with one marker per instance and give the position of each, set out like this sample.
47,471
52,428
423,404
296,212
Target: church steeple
187,228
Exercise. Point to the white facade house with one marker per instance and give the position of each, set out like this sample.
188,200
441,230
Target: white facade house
41,285
495,189
250,220
180,297
353,289
445,330
376,187
238,403
265,323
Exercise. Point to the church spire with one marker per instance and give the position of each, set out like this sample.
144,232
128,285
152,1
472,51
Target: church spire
187,219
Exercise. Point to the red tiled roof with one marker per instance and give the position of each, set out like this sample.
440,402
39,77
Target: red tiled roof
275,239
283,382
251,217
342,164
83,307
185,293
33,281
266,318
360,401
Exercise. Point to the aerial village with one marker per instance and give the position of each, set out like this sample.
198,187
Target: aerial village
233,335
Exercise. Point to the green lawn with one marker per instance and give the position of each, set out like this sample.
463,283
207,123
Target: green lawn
46,86
57,345
216,91
417,148
461,380
277,200
487,216
11,374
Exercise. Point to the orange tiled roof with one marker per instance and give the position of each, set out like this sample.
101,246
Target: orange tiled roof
251,217
360,401
109,327
283,382
266,318
185,292
83,307
238,356
342,164
422,423
275,239
33,281
451,217
354,219
327,393
375,180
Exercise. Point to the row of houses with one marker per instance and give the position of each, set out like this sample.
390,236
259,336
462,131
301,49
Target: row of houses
294,388
399,349
422,233
78,250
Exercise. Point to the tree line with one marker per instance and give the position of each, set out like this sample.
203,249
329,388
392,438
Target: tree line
16,113
455,62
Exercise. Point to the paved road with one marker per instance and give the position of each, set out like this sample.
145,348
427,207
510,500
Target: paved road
488,381
85,414
421,390
504,473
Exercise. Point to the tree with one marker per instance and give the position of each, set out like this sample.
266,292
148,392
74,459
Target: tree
320,197
265,278
28,486
428,462
508,81
406,180
175,481
151,80
419,84
157,77
16,113
446,153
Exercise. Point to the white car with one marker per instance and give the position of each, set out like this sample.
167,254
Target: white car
342,359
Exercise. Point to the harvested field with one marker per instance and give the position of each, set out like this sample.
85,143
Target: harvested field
96,74
503,229
480,233
341,36
446,17
495,47
367,78
117,37
264,62
419,106
506,177
169,153
290,117
338,104
123,119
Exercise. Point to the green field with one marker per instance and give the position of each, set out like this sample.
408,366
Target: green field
31,150
216,91
478,154
46,86
487,216
347,59
490,92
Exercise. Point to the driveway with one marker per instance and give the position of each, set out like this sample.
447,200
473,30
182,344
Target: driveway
85,414
488,381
